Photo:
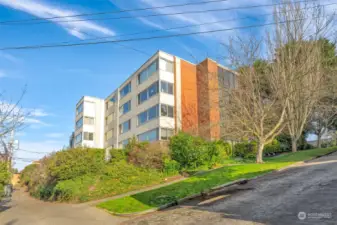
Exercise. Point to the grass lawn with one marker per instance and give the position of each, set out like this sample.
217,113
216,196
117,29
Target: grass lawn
196,184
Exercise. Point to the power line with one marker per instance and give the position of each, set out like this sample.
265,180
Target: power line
113,12
29,151
145,38
180,27
124,46
155,15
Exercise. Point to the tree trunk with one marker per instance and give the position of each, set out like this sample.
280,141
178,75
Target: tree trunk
259,154
319,141
293,145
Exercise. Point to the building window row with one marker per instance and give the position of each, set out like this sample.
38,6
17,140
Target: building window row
108,135
166,133
148,93
78,138
126,107
166,65
151,135
166,110
88,136
124,127
166,87
89,120
148,115
79,109
148,72
79,123
125,90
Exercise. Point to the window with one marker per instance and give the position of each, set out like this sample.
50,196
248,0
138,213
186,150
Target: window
166,110
125,90
151,135
166,133
125,127
79,109
108,135
108,119
166,87
166,65
89,120
125,108
146,73
227,77
88,136
78,138
147,115
79,123
148,93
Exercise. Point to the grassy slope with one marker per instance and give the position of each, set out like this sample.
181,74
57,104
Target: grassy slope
157,197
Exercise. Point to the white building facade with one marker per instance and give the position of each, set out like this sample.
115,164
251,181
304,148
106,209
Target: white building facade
143,106
165,95
89,123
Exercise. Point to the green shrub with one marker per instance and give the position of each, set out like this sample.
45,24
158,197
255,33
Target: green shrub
118,155
245,149
147,155
285,142
73,163
273,147
190,152
4,177
171,166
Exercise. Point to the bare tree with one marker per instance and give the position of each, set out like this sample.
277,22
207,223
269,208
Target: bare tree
298,58
250,110
323,117
12,117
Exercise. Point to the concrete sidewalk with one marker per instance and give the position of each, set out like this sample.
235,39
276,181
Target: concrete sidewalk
25,210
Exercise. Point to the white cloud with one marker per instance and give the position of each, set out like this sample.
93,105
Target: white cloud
198,18
9,57
43,10
55,135
38,112
35,122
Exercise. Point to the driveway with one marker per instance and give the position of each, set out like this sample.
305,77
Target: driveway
24,210
305,194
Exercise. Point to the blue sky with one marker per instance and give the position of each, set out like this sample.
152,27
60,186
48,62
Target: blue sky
57,78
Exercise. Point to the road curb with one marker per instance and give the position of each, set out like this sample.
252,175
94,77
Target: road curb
215,189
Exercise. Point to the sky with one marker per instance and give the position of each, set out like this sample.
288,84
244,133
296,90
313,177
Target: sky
56,78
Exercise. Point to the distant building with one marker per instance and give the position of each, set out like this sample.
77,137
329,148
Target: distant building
165,95
89,123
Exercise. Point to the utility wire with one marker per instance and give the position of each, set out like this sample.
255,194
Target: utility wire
124,46
112,12
179,27
145,38
23,150
155,15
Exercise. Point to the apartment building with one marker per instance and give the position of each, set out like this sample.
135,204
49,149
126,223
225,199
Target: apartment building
89,123
165,95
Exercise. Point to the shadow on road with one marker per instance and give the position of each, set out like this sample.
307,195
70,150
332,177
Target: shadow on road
4,204
277,198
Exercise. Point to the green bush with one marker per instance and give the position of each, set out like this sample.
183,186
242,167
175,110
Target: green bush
4,177
273,147
118,155
193,152
171,166
73,163
245,149
148,155
190,152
